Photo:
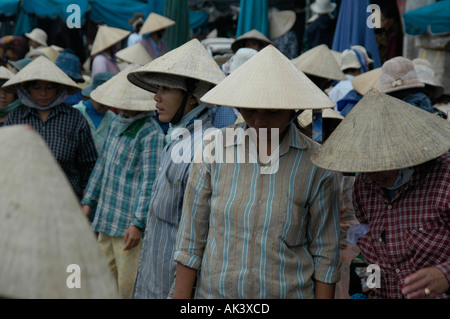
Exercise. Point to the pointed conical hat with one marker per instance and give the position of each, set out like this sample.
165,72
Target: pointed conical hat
42,69
305,119
119,93
135,54
319,61
191,60
5,74
383,133
107,37
42,229
364,82
281,22
252,34
155,22
268,81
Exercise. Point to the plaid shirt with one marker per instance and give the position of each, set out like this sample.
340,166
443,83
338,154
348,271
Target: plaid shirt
122,180
68,136
409,232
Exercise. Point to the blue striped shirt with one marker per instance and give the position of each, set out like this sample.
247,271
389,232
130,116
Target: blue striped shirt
254,235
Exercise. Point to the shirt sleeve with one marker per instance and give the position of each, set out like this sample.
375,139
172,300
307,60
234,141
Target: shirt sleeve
194,224
323,229
149,159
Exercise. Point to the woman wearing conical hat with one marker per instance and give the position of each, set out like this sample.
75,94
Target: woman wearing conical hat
121,183
153,32
42,88
259,220
8,100
401,193
104,48
179,79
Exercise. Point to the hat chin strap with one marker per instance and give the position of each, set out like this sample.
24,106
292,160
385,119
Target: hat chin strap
191,85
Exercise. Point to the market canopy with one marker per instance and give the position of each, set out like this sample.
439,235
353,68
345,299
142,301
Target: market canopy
9,7
434,18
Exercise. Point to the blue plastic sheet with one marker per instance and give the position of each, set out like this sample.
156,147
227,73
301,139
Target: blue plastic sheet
254,14
434,17
9,7
352,29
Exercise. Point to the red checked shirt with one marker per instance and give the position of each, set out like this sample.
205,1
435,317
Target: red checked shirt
409,232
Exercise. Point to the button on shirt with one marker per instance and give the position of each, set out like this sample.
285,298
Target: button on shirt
68,136
409,232
254,235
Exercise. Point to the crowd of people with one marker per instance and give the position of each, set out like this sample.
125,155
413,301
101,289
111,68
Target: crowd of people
358,164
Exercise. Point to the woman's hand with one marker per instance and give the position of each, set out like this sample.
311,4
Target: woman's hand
427,280
132,237
86,210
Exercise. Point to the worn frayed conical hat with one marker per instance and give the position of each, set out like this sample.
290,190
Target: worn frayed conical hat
269,80
5,74
281,22
367,81
106,37
42,69
155,22
45,240
319,61
135,54
191,60
119,93
383,133
252,34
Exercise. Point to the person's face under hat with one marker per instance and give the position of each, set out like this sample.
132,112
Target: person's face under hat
384,179
169,101
6,98
43,92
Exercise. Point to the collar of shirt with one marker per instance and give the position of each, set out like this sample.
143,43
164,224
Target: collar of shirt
292,139
27,111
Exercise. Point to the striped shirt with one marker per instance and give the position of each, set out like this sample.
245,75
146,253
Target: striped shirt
122,180
254,235
67,134
156,272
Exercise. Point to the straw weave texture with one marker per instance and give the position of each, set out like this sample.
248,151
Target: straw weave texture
120,93
43,69
42,229
383,133
107,37
367,81
320,61
268,80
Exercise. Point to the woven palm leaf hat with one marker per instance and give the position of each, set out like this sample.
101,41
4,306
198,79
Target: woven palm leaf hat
119,93
42,229
383,133
42,69
5,74
252,34
426,75
269,80
106,37
189,61
135,54
364,82
156,22
281,22
320,61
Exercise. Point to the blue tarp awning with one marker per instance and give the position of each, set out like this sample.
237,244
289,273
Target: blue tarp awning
9,7
254,14
434,17
352,29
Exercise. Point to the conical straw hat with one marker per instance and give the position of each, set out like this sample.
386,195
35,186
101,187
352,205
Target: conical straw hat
155,22
319,61
252,34
367,81
191,60
305,119
43,69
383,133
5,74
119,93
107,37
42,229
135,54
281,22
269,80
